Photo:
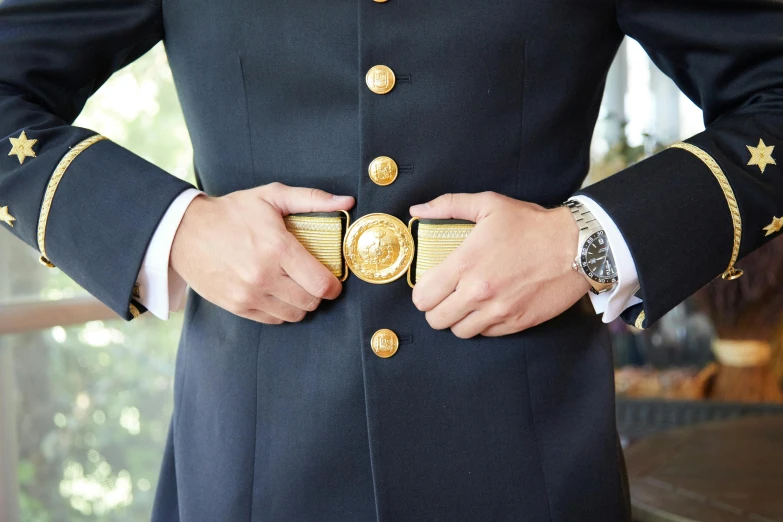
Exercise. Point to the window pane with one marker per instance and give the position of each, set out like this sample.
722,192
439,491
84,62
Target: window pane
94,404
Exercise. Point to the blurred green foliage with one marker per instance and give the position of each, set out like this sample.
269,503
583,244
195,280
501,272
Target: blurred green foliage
95,401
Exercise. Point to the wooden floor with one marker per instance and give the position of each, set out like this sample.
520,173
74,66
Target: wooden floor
729,471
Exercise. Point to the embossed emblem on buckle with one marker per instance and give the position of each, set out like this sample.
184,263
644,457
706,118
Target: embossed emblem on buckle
378,248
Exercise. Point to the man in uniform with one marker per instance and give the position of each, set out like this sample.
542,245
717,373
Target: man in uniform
485,393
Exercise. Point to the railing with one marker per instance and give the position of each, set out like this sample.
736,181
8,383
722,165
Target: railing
27,316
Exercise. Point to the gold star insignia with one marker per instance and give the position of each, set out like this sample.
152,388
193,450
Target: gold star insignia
761,156
6,218
22,147
775,226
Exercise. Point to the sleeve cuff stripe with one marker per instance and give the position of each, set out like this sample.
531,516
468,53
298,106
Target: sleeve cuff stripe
736,218
640,321
133,311
51,189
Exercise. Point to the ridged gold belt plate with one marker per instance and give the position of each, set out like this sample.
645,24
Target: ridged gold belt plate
322,237
437,242
378,248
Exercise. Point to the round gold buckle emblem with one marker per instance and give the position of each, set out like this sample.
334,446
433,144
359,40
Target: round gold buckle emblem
378,248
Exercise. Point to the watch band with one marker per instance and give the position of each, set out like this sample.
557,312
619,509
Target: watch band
584,218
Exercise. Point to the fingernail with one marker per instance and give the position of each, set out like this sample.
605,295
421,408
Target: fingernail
342,198
418,208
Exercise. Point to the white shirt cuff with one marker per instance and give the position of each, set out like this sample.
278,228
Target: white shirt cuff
613,303
162,289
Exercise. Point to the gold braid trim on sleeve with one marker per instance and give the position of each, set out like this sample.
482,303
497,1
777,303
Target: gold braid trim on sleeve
640,321
51,188
736,219
133,311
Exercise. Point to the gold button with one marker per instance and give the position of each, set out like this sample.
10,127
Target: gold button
383,170
385,343
379,1
378,248
380,79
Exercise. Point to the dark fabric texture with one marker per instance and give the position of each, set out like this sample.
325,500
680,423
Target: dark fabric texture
302,422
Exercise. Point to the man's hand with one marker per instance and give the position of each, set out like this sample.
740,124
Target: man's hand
511,273
236,252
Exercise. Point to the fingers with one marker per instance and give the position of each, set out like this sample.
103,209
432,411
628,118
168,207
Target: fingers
293,200
290,304
288,291
472,207
308,272
499,330
437,284
261,317
450,311
277,309
474,324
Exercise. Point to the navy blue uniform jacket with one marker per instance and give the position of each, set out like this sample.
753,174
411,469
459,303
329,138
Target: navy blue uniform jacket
302,422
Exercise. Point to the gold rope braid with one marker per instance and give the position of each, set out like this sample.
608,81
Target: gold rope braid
731,272
133,311
322,237
51,188
640,321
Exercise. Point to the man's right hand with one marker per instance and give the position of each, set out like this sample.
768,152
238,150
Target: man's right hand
235,251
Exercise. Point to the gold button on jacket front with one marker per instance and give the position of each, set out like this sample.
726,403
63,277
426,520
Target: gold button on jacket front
383,170
380,79
378,248
385,343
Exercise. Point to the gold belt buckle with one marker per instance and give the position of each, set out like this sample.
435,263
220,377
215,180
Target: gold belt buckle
378,248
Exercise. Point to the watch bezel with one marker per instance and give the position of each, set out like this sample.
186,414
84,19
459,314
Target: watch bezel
583,259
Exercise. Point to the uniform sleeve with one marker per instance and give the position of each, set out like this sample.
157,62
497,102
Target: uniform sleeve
88,205
690,212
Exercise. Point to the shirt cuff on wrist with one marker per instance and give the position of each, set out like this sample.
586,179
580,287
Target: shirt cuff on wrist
162,289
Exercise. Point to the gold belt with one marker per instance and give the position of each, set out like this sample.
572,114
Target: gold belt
377,248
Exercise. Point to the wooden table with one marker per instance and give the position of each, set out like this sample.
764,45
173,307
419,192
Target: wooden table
728,471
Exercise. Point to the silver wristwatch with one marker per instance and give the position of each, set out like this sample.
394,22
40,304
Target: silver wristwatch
594,258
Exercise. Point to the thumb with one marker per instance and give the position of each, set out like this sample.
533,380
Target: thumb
293,200
452,206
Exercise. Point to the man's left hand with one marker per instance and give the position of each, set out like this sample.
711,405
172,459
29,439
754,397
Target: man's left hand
514,270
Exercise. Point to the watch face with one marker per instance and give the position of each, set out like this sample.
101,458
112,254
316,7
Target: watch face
597,261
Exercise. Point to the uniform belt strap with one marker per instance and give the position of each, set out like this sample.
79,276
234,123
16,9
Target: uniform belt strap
436,239
321,233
